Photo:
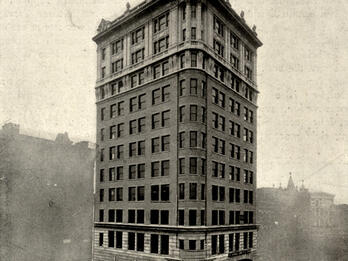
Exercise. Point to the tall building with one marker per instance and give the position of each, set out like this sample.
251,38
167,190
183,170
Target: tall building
176,122
46,197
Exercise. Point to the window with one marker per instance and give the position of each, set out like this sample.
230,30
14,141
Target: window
193,87
112,132
131,193
165,192
140,242
119,215
202,217
101,175
237,240
182,61
231,218
165,118
193,191
156,71
120,108
182,191
161,22
156,96
182,166
193,165
161,45
181,217
103,69
204,114
132,149
138,35
141,148
155,145
102,93
102,114
193,11
184,35
120,151
181,244
119,173
154,192
101,215
181,140
118,239
165,143
113,88
165,93
245,240
102,154
164,217
247,54
214,192
184,12
192,244
117,46
202,191
112,153
234,41
131,241
117,66
231,195
141,193
140,216
248,72
193,139
235,62
246,194
165,168
155,169
213,245
101,239
154,243
221,244
182,88
204,167
202,244
219,48
138,56
215,169
218,26
131,216
119,194
165,68
112,194
194,55
103,53
164,244
251,237
112,174
133,104
181,113
154,216
155,121
222,193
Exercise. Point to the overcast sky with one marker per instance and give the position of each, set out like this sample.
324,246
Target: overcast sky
47,77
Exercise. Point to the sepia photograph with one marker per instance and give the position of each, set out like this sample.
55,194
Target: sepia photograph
173,130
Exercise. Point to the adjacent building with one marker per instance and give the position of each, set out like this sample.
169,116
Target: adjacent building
46,197
176,132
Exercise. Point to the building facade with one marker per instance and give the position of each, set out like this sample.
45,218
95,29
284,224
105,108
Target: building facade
46,197
176,121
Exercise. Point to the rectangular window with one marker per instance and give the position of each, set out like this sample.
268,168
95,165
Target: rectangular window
193,191
218,26
181,113
182,191
155,121
156,71
132,149
251,238
193,37
154,216
141,193
101,239
193,139
237,241
155,144
156,96
165,93
221,244
154,243
193,87
161,22
245,240
111,239
192,244
101,215
119,239
140,242
182,166
138,35
165,192
214,245
214,192
231,218
119,173
182,88
164,244
131,241
131,216
165,168
193,56
131,193
101,175
111,215
140,216
193,165
155,169
164,217
165,118
119,194
234,41
117,47
181,140
165,143
119,215
141,148
161,45
155,192
181,217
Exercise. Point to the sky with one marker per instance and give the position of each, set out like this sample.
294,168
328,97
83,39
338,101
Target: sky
48,73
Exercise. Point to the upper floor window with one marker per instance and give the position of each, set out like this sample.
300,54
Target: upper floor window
161,22
103,72
218,26
117,47
248,72
103,54
248,54
234,41
138,56
161,45
219,48
193,33
138,35
235,61
117,66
